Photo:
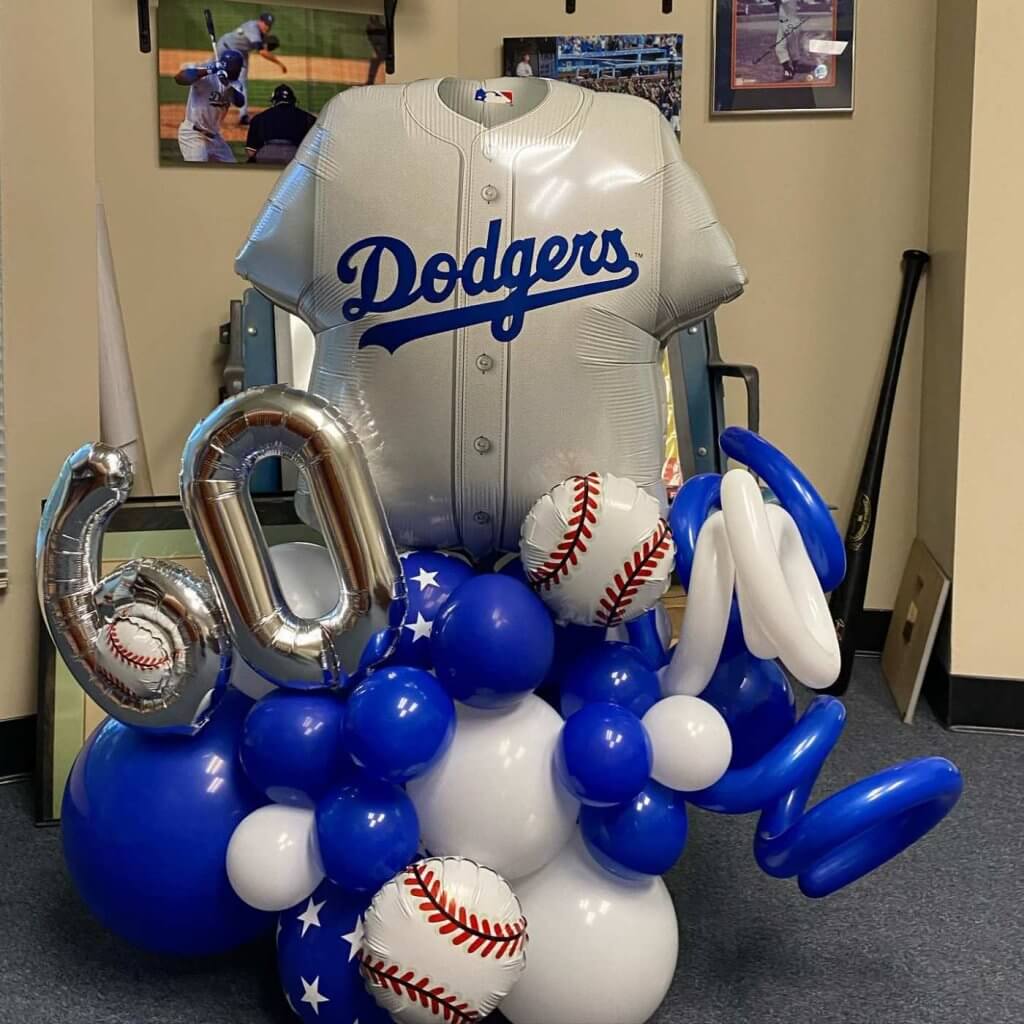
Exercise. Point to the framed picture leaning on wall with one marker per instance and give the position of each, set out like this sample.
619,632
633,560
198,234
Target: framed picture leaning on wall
783,57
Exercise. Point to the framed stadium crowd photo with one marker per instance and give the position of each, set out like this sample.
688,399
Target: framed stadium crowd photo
783,57
242,83
649,66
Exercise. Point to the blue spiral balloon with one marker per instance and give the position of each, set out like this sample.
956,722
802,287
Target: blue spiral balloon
797,495
850,833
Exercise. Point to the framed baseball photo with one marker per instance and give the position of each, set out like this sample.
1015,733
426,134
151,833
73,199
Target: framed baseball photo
649,66
783,57
242,83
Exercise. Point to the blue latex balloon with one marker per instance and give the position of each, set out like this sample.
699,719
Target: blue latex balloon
367,831
146,821
611,672
398,723
571,643
644,636
511,565
431,577
493,642
604,755
756,701
644,836
291,745
316,959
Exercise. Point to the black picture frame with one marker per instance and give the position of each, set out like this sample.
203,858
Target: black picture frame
750,41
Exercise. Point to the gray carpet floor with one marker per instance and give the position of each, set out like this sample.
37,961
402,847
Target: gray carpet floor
935,937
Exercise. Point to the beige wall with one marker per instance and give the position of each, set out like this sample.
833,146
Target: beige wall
989,555
820,208
49,285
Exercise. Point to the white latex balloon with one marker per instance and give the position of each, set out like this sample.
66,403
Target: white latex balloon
494,797
272,860
602,949
308,580
691,743
708,602
782,607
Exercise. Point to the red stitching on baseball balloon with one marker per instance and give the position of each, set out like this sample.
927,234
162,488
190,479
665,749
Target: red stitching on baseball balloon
430,997
636,570
130,657
441,908
582,516
130,697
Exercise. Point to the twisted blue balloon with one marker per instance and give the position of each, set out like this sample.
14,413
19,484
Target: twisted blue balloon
850,833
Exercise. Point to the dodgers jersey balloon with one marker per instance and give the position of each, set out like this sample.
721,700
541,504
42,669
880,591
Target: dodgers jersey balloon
490,303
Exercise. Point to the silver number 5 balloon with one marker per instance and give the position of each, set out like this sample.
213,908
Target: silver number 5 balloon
147,642
218,460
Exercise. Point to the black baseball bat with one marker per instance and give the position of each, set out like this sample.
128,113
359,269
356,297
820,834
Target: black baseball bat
847,601
208,18
145,38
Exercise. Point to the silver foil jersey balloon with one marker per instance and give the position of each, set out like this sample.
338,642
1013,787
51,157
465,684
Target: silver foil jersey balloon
146,642
219,457
490,301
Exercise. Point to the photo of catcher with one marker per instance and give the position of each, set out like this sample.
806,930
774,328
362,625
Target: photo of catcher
241,84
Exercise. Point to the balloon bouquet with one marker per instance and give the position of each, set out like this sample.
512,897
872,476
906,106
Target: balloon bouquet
458,788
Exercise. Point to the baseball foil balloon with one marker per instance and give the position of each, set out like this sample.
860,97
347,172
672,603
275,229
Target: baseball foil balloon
597,550
443,940
505,282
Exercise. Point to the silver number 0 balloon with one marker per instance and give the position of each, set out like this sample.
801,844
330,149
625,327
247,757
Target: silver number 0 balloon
218,460
147,642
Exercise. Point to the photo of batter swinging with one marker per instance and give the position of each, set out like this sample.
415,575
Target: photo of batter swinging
242,83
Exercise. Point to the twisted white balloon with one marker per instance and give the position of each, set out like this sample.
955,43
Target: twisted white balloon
756,549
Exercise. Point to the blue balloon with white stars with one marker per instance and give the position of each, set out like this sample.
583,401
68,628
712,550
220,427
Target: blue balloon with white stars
367,831
643,836
604,755
493,642
398,722
612,672
431,577
317,942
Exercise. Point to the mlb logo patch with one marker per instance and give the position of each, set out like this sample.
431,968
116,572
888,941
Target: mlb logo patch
494,96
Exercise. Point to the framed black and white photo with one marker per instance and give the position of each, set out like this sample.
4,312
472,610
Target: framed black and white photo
783,57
